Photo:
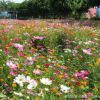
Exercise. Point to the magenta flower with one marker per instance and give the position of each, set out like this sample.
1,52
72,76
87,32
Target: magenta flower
66,75
11,65
29,61
81,74
18,46
87,51
38,38
12,73
37,71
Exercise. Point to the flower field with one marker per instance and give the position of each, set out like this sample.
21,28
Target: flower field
40,60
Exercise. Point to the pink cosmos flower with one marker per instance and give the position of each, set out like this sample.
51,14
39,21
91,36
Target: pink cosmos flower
37,71
87,51
66,75
81,74
11,65
12,73
18,46
29,61
38,38
20,54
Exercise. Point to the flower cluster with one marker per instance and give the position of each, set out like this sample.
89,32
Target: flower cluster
49,61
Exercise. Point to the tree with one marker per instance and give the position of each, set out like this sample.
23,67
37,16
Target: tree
94,3
75,5
3,5
59,7
12,6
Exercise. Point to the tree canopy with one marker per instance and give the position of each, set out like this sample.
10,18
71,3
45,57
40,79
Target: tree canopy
49,8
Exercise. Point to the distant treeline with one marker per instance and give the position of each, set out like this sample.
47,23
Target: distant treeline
49,8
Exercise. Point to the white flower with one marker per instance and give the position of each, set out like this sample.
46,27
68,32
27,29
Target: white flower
64,88
20,79
30,58
46,81
28,79
32,84
41,93
46,89
26,34
18,94
88,42
67,50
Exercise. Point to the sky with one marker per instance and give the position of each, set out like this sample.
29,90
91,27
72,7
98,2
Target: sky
16,1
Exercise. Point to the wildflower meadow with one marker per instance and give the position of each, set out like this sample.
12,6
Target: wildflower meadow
43,60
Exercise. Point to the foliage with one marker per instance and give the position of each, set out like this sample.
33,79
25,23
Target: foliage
3,5
49,8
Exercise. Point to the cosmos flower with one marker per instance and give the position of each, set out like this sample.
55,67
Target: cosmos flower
11,65
64,88
18,94
87,51
20,79
67,50
81,74
12,72
32,84
29,61
37,71
26,34
18,46
46,81
38,38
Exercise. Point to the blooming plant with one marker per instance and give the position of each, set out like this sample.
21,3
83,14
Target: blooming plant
48,61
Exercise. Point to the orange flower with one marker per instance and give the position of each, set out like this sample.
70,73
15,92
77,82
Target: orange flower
84,83
26,73
97,61
1,80
1,67
71,33
13,85
60,76
46,69
90,65
54,90
93,48
93,34
58,93
7,46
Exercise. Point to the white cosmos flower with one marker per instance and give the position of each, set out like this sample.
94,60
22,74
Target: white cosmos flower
46,89
20,79
29,58
28,79
46,81
64,88
32,84
18,94
67,50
